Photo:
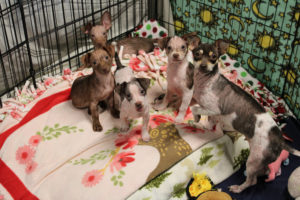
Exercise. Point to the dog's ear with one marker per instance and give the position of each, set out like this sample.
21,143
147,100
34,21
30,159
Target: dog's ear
85,59
110,49
192,39
106,20
163,42
87,28
144,82
222,46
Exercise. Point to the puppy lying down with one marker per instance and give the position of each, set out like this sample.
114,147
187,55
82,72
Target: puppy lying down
130,97
221,99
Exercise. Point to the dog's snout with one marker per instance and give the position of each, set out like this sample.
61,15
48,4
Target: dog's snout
138,105
203,65
176,55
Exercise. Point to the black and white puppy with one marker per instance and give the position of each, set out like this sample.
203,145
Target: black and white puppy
238,110
130,97
179,76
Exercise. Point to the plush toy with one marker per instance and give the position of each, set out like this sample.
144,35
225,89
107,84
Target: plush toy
214,195
200,187
275,167
294,184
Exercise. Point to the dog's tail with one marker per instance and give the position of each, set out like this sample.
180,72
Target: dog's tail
117,59
291,149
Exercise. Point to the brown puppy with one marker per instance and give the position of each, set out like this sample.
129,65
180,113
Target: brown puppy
133,44
98,33
88,91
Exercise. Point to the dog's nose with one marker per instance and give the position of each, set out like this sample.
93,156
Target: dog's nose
175,55
203,65
138,105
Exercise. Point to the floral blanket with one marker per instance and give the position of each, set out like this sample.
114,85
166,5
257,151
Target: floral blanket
53,153
49,150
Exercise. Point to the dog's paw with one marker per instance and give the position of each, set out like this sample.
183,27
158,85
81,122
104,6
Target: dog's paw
97,127
124,127
235,189
145,136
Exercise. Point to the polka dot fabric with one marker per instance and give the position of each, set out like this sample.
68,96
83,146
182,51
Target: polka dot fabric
234,71
150,29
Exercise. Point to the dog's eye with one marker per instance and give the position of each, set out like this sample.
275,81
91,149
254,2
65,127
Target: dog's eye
93,35
106,57
104,33
143,92
169,48
214,56
94,62
182,47
197,54
128,96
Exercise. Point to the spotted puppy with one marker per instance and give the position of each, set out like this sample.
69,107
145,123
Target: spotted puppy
130,95
216,96
88,91
180,74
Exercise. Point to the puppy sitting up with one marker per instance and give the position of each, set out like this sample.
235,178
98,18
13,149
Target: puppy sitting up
180,73
88,91
131,97
237,110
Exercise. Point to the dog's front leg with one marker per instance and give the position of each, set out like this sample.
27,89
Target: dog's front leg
145,133
209,121
95,117
186,100
124,121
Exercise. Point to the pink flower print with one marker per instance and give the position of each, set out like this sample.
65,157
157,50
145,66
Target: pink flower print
121,160
67,71
92,178
25,154
191,129
156,120
48,81
232,75
188,114
35,140
30,167
130,139
1,197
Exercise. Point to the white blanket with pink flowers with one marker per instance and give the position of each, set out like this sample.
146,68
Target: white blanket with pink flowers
48,149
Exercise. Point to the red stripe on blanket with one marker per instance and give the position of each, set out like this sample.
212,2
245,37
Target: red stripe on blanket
13,184
39,108
8,178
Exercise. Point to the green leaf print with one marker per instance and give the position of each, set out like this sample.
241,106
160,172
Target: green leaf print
147,198
116,179
49,133
238,161
178,190
101,155
112,130
207,150
204,158
213,163
156,182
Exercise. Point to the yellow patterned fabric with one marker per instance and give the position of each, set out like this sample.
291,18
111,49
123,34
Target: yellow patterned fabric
263,37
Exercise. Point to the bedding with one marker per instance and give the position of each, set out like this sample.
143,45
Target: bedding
49,151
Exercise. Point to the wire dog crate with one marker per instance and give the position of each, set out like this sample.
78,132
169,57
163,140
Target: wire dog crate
40,38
